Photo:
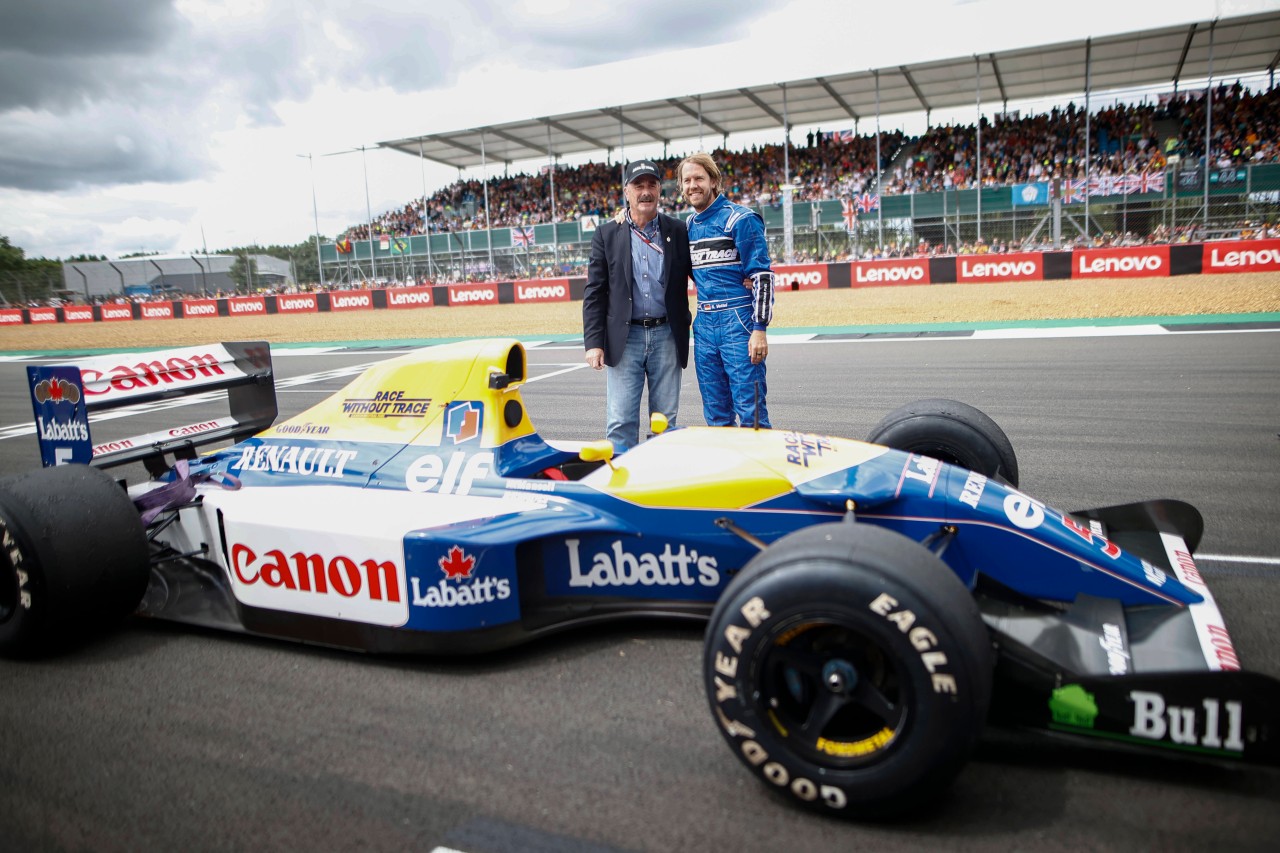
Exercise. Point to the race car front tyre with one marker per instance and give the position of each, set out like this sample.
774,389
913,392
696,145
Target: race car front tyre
950,431
73,557
849,669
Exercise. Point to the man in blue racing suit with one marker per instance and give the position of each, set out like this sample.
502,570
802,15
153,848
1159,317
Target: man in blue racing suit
735,298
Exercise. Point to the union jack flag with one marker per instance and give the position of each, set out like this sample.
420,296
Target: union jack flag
1075,191
1104,185
850,213
1151,182
1128,184
868,202
841,136
522,236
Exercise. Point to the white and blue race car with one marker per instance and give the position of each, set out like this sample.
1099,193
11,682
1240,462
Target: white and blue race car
871,605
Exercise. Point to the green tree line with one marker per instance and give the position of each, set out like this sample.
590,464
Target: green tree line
25,279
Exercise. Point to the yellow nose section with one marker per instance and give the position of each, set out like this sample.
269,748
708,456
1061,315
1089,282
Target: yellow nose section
724,467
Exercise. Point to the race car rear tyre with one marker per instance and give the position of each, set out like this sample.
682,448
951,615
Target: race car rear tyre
952,432
850,670
74,557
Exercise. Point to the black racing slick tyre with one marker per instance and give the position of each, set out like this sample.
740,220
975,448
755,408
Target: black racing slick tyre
849,669
74,557
952,432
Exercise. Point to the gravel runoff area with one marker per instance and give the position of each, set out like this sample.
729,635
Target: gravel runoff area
917,305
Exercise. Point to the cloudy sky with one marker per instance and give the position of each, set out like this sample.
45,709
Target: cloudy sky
156,125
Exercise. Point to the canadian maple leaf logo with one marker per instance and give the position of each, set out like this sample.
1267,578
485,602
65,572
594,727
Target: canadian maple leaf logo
56,390
457,563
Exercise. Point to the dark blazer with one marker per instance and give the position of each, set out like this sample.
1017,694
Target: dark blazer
606,300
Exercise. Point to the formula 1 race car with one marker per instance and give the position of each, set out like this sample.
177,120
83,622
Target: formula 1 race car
871,606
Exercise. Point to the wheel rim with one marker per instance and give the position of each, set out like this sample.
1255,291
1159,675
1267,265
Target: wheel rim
833,693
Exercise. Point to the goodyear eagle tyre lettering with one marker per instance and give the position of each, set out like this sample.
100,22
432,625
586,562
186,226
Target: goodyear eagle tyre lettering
73,557
849,668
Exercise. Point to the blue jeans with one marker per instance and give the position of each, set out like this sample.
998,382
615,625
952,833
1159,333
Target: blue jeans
650,353
727,379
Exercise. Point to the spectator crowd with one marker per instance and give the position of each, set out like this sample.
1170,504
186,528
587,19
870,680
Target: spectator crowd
1123,139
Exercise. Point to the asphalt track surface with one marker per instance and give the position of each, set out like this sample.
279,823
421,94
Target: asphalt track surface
164,738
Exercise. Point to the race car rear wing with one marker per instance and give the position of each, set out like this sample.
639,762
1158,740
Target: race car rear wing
63,397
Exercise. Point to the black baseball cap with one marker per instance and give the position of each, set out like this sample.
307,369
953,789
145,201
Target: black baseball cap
640,168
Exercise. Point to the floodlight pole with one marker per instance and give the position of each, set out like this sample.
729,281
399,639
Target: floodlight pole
1088,130
315,211
426,213
551,165
1208,127
368,209
488,223
977,82
879,170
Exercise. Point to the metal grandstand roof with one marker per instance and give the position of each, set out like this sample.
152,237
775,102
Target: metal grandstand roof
1159,56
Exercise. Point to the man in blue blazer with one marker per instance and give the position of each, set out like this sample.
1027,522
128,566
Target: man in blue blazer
635,307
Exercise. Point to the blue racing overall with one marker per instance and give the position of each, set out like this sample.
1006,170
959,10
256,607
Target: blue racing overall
735,297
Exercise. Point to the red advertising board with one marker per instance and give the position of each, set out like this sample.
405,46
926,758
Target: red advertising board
115,311
42,315
351,300
800,277
542,290
156,310
238,306
297,303
1132,262
891,271
10,316
200,308
1017,266
1241,256
408,297
77,313
473,294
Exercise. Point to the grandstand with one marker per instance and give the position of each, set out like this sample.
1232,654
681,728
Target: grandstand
1120,174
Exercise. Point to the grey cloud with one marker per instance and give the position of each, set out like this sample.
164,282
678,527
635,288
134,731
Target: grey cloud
102,146
76,78
75,28
608,32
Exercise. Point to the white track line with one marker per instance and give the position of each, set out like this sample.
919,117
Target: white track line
1228,558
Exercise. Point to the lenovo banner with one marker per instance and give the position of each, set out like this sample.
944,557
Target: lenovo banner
240,306
43,315
77,313
350,300
200,308
297,303
473,294
113,311
800,277
156,310
542,290
893,271
1020,266
409,297
1136,262
1243,256
10,316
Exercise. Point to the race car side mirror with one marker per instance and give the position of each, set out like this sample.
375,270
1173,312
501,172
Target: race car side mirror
597,451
